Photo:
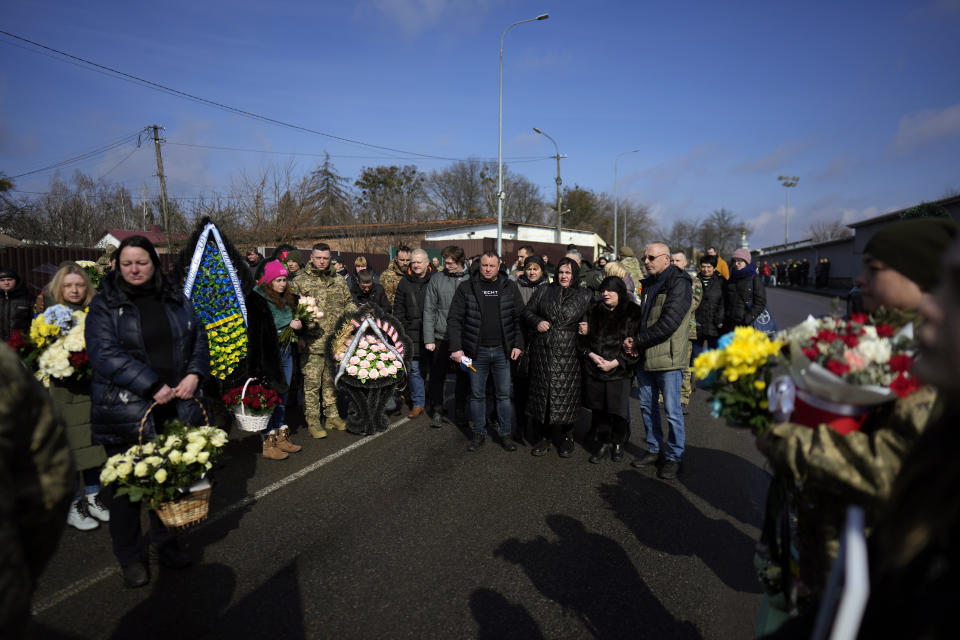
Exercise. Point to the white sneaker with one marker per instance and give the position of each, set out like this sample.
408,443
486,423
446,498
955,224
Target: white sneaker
78,518
96,508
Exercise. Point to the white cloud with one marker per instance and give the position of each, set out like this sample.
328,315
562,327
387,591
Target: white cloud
777,159
416,16
926,127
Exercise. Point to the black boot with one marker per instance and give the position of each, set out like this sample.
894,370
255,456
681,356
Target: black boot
601,453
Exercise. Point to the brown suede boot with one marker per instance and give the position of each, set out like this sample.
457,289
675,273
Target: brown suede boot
270,449
283,441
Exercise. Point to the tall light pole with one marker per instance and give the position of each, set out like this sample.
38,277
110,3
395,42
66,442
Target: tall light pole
787,181
500,194
616,200
559,182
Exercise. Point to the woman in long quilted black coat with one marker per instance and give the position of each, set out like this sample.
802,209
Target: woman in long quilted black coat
553,315
608,368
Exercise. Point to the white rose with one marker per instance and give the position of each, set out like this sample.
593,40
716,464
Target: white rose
175,456
203,457
124,468
160,476
141,469
189,457
148,448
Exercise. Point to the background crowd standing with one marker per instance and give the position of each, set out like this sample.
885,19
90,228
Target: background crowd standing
543,342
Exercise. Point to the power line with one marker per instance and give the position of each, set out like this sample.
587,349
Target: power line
352,157
84,156
219,105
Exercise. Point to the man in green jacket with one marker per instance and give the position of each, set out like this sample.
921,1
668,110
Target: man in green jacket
666,297
36,486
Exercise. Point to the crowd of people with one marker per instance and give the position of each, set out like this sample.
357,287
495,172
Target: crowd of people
529,346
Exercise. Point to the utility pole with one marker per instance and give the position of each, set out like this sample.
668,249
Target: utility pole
163,186
559,182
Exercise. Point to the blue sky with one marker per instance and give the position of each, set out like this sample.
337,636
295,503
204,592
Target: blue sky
860,100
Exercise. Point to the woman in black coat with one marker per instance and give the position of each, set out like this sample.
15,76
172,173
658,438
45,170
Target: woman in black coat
553,316
709,313
146,346
532,277
744,296
608,369
270,309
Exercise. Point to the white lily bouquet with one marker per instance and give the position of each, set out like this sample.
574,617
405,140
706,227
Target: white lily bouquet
167,470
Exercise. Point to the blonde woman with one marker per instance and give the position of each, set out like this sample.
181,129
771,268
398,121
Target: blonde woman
71,287
617,269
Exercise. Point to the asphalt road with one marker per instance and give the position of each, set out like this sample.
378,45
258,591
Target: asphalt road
406,535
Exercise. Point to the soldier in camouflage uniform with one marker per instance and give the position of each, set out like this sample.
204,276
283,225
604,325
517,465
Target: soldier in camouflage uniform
36,486
320,281
679,260
629,260
824,472
397,271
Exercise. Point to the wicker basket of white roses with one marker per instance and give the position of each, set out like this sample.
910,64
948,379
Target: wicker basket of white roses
170,472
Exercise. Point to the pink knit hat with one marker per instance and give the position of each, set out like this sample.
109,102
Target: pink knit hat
743,254
272,271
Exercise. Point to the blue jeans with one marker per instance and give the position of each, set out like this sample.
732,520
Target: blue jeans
652,384
280,412
418,394
491,360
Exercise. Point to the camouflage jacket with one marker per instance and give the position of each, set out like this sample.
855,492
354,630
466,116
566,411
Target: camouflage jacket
36,486
694,304
633,268
831,472
333,298
390,280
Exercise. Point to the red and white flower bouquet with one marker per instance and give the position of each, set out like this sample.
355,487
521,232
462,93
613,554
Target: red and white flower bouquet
841,369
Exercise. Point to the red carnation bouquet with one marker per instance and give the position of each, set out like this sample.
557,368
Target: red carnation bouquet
842,368
258,399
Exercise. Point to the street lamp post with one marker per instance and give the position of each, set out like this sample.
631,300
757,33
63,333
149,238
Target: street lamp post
559,182
500,194
787,182
616,200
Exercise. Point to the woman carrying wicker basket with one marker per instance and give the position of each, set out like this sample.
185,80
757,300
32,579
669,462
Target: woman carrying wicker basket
270,310
146,346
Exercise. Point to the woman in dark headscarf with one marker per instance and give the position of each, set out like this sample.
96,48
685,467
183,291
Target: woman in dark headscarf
531,278
608,368
553,315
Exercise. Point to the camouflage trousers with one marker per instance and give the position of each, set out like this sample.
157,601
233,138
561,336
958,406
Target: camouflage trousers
318,390
686,389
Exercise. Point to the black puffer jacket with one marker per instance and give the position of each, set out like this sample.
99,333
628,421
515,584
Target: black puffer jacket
263,348
463,321
710,312
122,377
554,368
408,307
608,329
744,298
16,306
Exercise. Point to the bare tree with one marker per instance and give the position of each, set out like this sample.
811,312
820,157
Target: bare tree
456,193
826,231
722,230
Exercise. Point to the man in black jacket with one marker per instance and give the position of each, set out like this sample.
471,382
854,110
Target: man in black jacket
16,304
408,308
366,291
484,326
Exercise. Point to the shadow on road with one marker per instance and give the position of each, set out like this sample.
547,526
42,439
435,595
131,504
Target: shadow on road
663,519
594,580
193,603
728,482
499,619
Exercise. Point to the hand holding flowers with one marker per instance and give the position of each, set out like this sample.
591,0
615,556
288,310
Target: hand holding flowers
307,313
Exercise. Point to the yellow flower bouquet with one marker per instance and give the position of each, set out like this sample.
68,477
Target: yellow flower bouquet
737,374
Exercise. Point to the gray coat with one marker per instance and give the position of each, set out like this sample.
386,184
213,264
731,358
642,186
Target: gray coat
436,304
